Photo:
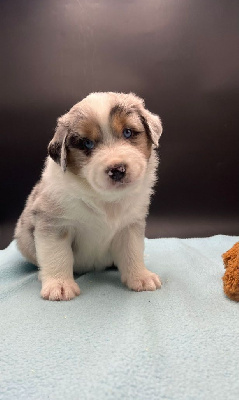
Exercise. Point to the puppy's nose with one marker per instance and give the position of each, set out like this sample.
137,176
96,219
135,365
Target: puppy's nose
117,172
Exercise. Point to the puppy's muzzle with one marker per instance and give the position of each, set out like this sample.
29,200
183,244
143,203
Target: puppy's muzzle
116,172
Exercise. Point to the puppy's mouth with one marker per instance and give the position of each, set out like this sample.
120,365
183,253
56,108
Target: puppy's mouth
120,184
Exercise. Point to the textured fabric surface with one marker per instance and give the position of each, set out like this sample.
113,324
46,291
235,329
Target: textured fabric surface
180,342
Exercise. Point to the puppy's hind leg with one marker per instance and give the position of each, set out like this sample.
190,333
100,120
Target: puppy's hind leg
55,259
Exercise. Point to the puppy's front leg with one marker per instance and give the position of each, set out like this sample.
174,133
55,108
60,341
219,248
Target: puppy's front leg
128,255
55,259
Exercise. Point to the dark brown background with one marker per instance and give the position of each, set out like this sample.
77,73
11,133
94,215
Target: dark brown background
181,56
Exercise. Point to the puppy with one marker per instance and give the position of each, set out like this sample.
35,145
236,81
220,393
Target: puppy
88,210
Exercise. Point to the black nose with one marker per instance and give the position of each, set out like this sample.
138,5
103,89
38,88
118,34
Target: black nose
117,172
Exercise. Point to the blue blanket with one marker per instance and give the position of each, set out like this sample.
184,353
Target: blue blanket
180,342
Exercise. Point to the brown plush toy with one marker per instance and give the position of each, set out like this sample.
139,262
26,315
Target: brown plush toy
231,276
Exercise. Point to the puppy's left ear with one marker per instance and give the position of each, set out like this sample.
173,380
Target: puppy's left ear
153,125
57,148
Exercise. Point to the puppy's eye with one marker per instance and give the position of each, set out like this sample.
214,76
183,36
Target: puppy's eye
89,144
127,133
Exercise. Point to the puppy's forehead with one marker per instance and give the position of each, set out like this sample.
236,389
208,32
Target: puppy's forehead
103,113
92,119
113,111
98,105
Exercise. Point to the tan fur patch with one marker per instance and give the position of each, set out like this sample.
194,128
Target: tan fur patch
120,120
118,124
89,128
75,160
143,143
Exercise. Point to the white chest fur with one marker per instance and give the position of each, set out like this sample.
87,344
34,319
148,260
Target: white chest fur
96,225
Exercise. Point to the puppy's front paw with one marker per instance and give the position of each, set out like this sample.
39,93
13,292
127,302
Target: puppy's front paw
143,281
55,289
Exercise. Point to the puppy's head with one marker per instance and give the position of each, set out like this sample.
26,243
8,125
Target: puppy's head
107,139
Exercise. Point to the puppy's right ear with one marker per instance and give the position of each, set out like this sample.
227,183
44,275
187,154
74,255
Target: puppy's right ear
57,148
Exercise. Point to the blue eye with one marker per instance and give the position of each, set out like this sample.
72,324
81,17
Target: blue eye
127,133
89,144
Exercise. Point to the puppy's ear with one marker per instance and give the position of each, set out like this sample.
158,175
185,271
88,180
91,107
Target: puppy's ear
57,148
152,125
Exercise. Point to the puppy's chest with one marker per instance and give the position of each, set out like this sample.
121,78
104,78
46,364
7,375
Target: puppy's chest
94,231
103,219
